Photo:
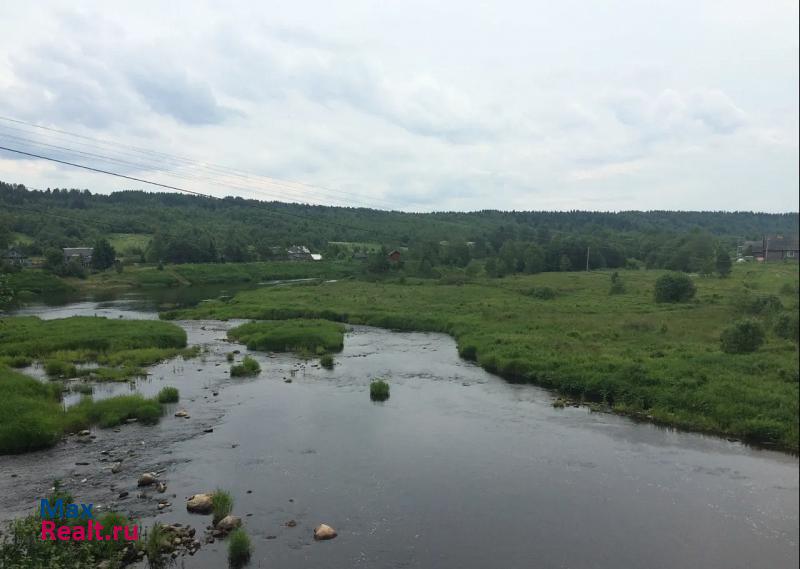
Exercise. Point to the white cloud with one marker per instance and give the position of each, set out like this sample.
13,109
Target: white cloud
457,106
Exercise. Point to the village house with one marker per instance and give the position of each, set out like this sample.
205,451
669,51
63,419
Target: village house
394,256
14,258
82,254
771,248
299,253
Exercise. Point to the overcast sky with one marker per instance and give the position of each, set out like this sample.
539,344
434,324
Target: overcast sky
451,105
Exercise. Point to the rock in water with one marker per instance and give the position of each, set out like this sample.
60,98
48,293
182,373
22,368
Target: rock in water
229,523
200,504
147,479
324,531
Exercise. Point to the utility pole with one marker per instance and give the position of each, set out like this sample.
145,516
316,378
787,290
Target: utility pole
587,259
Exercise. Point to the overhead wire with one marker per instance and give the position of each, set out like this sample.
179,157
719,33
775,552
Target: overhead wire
184,190
182,161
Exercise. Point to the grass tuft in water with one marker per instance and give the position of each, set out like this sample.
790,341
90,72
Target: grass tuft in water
248,368
222,504
379,390
169,395
239,548
326,361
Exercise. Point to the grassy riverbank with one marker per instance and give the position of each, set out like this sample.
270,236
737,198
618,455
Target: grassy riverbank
32,416
294,335
662,362
198,274
121,347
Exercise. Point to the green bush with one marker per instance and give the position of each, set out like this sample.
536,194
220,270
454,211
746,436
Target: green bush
222,504
169,395
379,390
617,286
787,326
542,293
239,548
229,356
761,305
674,287
249,367
742,337
326,361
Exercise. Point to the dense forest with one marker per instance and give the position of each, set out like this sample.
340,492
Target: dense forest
181,228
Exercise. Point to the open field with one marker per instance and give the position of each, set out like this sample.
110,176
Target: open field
661,362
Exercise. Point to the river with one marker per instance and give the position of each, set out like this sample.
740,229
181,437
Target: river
458,469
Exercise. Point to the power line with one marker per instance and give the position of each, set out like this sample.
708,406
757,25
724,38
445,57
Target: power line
223,170
184,190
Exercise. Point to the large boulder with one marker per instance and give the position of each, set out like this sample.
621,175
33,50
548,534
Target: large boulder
229,523
200,504
147,479
324,531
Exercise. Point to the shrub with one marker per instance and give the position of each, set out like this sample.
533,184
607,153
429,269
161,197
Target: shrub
229,356
59,368
542,293
379,390
617,286
742,337
787,326
222,504
238,548
168,395
674,287
326,361
761,305
248,368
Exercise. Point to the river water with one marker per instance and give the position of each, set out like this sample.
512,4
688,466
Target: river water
458,469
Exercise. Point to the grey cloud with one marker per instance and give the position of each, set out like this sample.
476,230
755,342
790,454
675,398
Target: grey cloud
173,94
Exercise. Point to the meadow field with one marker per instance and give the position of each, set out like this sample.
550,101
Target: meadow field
658,361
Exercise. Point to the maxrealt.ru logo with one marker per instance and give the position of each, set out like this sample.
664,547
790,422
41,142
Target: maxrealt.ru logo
73,529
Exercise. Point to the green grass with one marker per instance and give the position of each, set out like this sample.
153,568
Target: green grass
295,335
239,548
326,361
169,395
33,282
124,242
32,416
21,546
32,337
658,361
379,390
122,347
222,504
248,368
30,413
111,412
156,544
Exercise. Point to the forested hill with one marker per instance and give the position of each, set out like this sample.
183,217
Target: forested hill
248,228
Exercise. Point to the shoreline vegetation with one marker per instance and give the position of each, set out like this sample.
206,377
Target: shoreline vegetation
32,415
657,361
303,336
